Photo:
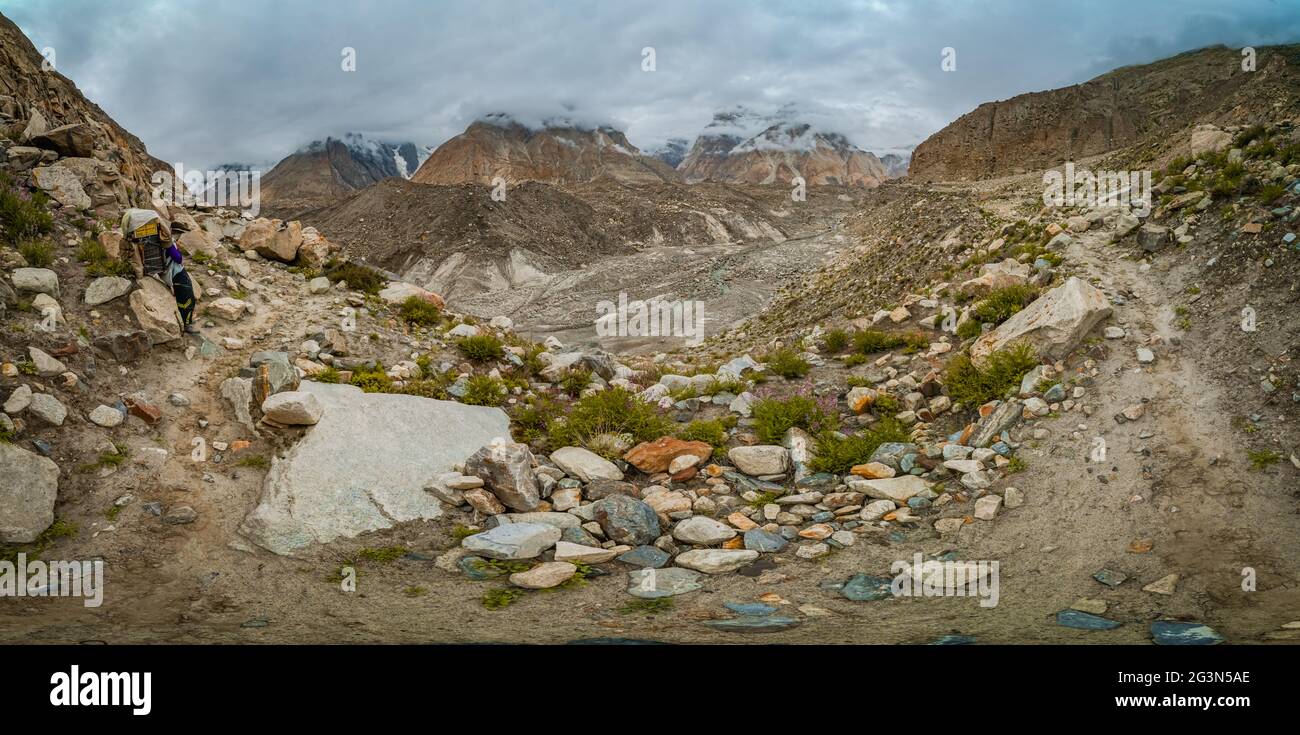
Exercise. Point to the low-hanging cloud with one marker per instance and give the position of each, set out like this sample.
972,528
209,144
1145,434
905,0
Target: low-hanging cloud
246,80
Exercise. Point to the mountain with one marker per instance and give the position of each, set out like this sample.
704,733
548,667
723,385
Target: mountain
558,151
896,164
742,146
323,171
1040,130
671,151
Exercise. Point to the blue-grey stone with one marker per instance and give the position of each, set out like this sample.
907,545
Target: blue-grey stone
823,517
908,462
766,624
1055,394
745,482
1001,448
627,520
891,453
1170,633
578,535
819,480
863,588
647,557
753,609
1110,578
477,568
756,539
918,503
954,639
1084,621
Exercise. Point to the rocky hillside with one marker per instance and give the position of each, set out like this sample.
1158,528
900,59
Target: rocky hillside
79,153
743,147
560,152
1041,130
324,171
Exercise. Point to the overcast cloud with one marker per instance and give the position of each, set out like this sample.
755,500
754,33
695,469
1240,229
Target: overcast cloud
211,81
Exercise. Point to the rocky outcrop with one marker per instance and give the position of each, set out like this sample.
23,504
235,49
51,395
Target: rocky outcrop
1040,130
40,108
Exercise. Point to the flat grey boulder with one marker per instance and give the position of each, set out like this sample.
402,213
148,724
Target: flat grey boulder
293,408
585,464
104,290
762,459
35,280
27,494
715,561
365,465
897,489
513,541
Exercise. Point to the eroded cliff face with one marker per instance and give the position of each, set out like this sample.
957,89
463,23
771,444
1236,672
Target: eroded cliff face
1043,129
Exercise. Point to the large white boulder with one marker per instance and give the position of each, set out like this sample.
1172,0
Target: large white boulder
365,465
1054,323
27,495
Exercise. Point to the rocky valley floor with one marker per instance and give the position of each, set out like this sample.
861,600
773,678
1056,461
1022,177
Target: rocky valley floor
1139,470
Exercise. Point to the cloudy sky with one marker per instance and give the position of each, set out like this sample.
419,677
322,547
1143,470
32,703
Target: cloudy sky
205,82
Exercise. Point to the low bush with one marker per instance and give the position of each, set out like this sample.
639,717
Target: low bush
481,347
839,454
974,386
615,411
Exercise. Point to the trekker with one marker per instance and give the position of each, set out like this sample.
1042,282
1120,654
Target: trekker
157,255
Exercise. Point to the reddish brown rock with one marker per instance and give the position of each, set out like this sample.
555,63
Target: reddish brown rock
146,411
655,456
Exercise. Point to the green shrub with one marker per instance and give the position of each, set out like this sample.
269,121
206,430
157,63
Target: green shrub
575,380
710,431
835,341
484,390
533,418
92,253
372,381
869,341
416,310
1248,136
39,253
481,347
427,388
885,406
1263,458
328,375
613,411
1001,303
1271,192
1002,371
22,215
1262,149
357,276
838,454
774,416
970,328
787,363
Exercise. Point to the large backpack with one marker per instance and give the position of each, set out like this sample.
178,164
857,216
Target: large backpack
146,229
